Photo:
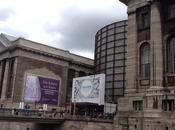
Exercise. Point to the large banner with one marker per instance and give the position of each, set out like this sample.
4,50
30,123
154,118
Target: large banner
41,90
89,89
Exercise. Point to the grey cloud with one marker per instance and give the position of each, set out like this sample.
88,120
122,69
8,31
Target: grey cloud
5,13
78,27
12,32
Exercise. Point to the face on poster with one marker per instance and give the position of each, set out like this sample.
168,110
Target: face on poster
41,90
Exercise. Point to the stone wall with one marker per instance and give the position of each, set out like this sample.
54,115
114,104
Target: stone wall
85,125
66,125
17,126
36,67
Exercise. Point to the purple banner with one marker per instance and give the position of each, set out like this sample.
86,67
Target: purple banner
42,90
49,90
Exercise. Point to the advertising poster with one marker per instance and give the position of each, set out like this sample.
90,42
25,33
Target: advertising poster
89,89
41,90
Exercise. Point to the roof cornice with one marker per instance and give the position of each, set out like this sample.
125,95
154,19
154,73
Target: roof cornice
125,1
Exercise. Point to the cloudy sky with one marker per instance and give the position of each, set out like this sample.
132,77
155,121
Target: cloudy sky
65,24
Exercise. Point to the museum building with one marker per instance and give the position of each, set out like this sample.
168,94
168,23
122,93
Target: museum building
22,60
149,97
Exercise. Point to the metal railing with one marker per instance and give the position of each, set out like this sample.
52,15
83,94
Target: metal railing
7,113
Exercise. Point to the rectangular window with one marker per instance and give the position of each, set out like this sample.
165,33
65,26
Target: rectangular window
110,44
109,85
118,84
138,105
109,71
110,64
171,11
103,47
168,105
145,20
111,38
110,32
110,51
118,77
110,57
145,73
109,78
143,17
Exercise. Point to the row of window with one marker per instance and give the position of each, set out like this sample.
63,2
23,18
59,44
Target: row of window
111,38
117,56
167,105
115,85
116,43
116,26
111,32
111,50
145,58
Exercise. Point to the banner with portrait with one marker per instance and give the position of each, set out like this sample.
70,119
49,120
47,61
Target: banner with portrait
40,89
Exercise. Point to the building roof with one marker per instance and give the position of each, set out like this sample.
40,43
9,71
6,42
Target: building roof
125,1
12,42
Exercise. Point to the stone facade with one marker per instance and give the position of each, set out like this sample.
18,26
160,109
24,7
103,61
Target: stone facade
66,125
85,125
21,57
148,103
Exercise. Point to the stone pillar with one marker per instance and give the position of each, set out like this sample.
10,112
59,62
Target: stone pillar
63,87
14,75
5,80
76,73
1,80
132,54
156,45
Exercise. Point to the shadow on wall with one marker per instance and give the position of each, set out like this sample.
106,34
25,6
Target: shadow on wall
47,127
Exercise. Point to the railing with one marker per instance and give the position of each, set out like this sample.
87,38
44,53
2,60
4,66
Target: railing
24,114
6,112
97,117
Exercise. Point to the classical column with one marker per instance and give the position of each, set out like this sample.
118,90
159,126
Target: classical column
132,54
156,42
14,75
76,73
5,80
1,80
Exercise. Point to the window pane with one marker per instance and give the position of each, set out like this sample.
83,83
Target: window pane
103,47
119,49
171,56
103,60
109,85
118,77
171,11
119,63
110,51
110,57
110,32
109,78
103,34
119,56
118,84
110,64
145,20
145,62
110,44
119,70
109,71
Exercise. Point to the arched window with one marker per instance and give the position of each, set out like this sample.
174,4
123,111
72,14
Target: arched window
171,55
145,61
